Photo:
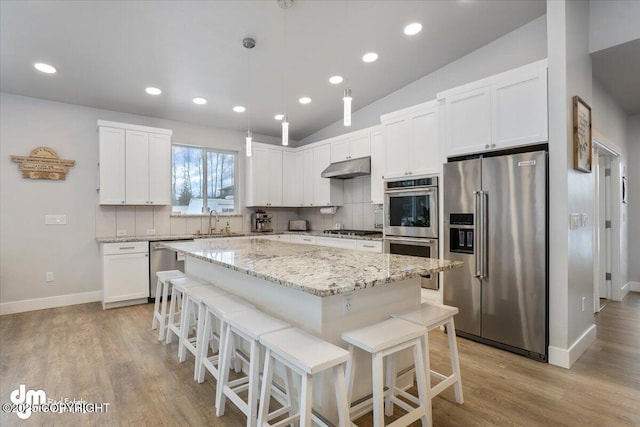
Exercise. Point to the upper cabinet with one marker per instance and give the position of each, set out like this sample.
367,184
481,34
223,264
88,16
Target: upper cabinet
377,164
502,111
264,176
326,191
411,141
292,178
351,146
135,164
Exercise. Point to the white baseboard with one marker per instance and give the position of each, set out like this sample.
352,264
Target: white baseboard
633,286
565,358
49,302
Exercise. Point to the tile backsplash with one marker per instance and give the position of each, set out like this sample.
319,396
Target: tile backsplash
357,212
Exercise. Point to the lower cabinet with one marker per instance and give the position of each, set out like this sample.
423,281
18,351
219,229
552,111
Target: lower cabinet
125,274
278,237
304,239
337,243
370,245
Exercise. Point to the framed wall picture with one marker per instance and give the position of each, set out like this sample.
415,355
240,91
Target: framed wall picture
581,135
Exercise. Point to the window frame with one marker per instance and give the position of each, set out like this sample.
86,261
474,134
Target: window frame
205,189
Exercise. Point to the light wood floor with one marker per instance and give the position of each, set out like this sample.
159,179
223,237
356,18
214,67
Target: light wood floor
113,356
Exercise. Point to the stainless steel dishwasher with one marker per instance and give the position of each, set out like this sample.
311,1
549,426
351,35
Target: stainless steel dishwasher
162,259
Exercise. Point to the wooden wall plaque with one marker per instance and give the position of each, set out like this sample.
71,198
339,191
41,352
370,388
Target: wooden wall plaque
43,163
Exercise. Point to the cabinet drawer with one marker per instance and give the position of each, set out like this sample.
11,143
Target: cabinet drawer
336,242
124,248
370,245
307,240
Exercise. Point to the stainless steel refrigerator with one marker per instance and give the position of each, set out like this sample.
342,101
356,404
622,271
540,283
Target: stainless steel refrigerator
496,223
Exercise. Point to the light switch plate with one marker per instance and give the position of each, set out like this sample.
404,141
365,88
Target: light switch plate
583,218
574,221
55,219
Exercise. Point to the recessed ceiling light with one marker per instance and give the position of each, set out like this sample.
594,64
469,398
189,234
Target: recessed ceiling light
153,90
199,100
304,100
336,80
44,68
239,109
279,116
370,57
413,29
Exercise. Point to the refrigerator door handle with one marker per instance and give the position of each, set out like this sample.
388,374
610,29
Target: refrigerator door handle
477,230
485,238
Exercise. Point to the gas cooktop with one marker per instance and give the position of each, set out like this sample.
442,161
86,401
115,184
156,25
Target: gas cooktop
352,232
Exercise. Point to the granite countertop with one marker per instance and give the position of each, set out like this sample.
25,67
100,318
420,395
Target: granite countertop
318,270
167,237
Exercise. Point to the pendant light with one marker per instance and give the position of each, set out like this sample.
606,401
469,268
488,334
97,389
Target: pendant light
248,43
346,99
284,5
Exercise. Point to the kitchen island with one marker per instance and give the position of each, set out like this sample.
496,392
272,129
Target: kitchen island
322,290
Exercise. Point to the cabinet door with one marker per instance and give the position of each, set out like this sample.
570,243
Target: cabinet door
308,180
377,165
292,178
112,165
424,155
137,167
159,169
274,177
340,150
396,141
258,173
519,109
322,186
360,145
126,277
468,124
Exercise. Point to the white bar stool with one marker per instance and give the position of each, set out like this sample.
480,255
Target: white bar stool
214,307
433,316
178,287
162,292
191,304
248,325
386,339
307,356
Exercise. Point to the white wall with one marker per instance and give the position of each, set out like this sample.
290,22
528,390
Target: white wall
28,248
522,46
633,207
613,22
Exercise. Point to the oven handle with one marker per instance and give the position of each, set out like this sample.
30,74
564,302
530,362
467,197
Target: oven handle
423,242
418,190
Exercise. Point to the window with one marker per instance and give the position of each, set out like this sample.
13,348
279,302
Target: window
203,179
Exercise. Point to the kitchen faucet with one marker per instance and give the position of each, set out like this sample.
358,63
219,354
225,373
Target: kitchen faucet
211,212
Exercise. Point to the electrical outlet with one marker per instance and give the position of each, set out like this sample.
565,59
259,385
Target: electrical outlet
49,276
121,233
346,308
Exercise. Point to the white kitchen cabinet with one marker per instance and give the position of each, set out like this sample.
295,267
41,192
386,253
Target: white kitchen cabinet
125,274
411,141
326,191
264,176
111,166
502,111
308,177
303,239
351,146
135,164
337,242
377,164
369,245
292,178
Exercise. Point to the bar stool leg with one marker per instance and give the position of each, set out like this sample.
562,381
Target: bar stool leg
224,363
203,348
173,304
344,420
185,324
156,305
455,362
254,378
201,339
306,400
265,392
377,367
163,305
424,393
391,384
289,388
349,374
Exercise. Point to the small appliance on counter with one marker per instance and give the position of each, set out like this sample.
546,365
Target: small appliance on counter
298,225
261,221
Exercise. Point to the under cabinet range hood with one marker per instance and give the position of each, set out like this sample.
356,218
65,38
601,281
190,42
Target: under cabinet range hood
348,168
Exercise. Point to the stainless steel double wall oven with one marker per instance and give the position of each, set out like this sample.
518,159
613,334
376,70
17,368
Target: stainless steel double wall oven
411,219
